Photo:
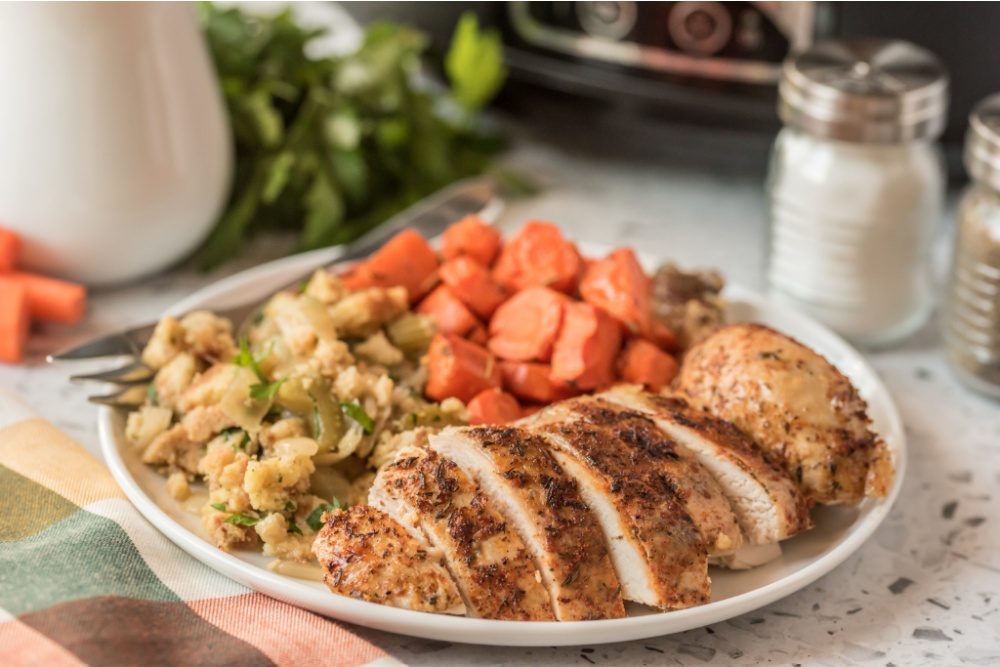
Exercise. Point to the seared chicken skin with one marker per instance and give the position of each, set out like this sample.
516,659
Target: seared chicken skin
494,571
795,404
367,555
659,555
524,481
767,503
696,489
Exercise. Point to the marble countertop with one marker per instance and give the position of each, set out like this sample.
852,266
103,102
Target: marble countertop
924,590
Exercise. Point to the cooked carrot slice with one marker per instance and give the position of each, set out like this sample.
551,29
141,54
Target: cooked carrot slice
620,286
530,409
51,300
539,255
472,284
450,315
471,237
661,335
641,362
525,326
478,335
14,319
10,249
460,369
406,260
532,382
493,406
585,351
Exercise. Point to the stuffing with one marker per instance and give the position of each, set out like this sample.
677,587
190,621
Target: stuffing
324,389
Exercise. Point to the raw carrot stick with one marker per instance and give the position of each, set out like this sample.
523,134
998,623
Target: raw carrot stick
450,315
472,284
641,362
584,353
525,326
493,406
456,367
532,382
406,260
14,319
539,255
472,237
620,286
10,249
51,300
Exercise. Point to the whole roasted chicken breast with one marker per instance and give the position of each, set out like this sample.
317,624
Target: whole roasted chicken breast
795,404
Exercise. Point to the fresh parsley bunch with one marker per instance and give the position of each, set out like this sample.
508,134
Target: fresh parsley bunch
333,146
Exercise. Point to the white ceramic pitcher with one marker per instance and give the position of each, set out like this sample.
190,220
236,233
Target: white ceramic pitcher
115,150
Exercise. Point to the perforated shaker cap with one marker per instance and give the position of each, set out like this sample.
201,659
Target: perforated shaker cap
982,142
865,90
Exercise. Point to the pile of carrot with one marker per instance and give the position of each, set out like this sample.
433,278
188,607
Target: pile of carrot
527,322
27,297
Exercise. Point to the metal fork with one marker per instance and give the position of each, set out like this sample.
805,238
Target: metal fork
430,217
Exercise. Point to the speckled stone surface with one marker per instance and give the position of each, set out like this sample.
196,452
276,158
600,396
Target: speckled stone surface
924,590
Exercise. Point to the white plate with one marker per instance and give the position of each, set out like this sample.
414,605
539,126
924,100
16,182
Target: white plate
839,532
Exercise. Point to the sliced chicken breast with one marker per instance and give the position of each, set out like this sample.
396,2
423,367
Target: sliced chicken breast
766,501
367,555
494,571
519,474
698,492
659,555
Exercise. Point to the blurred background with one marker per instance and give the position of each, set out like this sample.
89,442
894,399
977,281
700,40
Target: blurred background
695,81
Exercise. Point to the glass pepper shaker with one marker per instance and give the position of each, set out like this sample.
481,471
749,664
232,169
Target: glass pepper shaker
856,186
972,317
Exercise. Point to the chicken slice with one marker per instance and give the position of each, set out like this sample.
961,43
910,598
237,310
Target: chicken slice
659,555
696,489
494,571
368,555
517,471
766,502
795,404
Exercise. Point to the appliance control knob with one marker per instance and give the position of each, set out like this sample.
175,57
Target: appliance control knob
607,20
700,28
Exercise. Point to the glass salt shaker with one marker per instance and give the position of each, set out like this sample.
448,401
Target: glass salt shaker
856,186
972,318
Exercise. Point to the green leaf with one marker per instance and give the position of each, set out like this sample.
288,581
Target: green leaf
315,520
151,394
324,212
294,528
474,63
358,414
330,147
266,119
277,178
242,520
265,390
219,506
246,359
289,506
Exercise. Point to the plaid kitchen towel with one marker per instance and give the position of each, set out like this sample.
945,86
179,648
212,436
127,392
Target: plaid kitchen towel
85,579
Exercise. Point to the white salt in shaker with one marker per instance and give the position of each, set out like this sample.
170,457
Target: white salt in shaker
856,186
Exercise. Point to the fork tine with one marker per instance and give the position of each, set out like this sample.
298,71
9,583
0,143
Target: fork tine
132,373
117,344
128,397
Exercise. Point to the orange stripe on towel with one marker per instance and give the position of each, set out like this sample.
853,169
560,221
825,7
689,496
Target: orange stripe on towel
23,645
288,635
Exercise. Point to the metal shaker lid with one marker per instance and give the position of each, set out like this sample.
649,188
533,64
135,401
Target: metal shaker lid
982,142
865,90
